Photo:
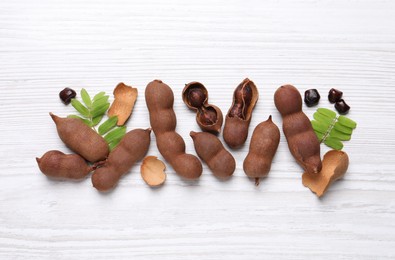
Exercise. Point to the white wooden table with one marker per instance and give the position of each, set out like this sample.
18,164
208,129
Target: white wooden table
48,45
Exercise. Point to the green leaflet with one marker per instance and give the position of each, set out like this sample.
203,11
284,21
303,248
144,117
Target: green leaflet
334,143
98,95
99,102
114,144
86,98
108,125
319,126
115,134
86,121
96,120
332,129
347,122
327,112
80,107
100,110
342,128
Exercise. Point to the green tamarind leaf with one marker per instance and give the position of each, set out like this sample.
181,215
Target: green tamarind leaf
98,95
319,127
99,102
86,121
108,125
86,98
339,135
80,107
101,110
341,128
327,112
96,120
115,134
347,122
334,143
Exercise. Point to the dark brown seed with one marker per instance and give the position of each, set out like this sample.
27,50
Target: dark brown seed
342,107
334,95
208,116
66,95
311,97
196,97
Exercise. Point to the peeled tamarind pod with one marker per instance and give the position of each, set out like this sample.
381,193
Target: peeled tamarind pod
160,98
81,138
132,148
263,147
211,150
302,141
63,166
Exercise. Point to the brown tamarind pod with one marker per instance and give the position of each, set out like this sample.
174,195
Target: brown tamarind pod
208,117
238,118
302,141
80,138
63,166
160,98
132,148
263,147
210,150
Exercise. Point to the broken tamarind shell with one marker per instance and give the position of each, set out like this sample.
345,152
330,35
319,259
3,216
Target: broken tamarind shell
334,167
208,117
153,171
125,98
239,115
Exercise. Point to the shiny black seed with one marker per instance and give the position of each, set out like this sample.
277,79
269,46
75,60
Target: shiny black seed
66,95
334,95
311,97
342,107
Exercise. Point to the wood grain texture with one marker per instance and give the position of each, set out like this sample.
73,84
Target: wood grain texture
48,45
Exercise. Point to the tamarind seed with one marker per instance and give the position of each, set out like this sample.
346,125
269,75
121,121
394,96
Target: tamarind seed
342,107
311,97
196,97
207,116
334,95
66,95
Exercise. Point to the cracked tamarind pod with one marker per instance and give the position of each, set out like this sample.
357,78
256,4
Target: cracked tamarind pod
239,115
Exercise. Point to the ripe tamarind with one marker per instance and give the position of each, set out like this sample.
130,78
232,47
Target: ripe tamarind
263,147
80,138
132,148
56,164
211,150
160,98
302,141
